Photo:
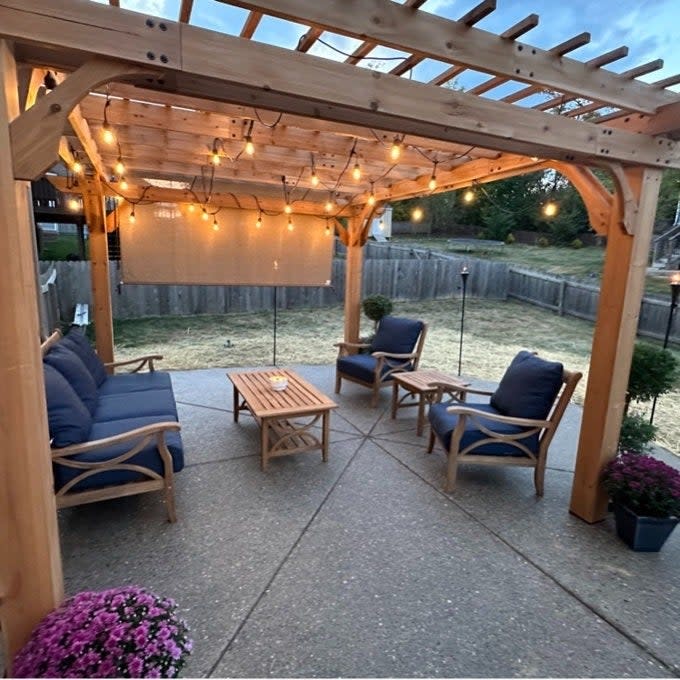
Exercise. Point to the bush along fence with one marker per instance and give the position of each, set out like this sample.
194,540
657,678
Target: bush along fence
407,274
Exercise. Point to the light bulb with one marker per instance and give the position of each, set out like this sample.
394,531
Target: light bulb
288,209
132,217
371,199
216,227
258,224
550,209
395,150
381,224
107,134
469,196
432,184
120,167
73,204
249,147
191,207
417,214
290,224
314,180
215,157
123,184
328,229
329,205
534,158
205,217
77,168
356,171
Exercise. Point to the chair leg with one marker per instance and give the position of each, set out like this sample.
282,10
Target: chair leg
376,392
451,473
338,380
170,500
539,477
430,443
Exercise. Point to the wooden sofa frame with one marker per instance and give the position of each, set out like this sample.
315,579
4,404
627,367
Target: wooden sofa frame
141,436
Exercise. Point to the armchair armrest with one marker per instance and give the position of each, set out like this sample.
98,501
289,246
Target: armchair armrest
140,432
389,355
497,417
344,347
142,361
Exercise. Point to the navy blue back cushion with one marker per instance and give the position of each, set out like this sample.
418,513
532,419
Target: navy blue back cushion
528,388
77,341
69,420
396,335
69,364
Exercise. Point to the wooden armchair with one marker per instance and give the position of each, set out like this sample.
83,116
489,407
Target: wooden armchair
396,347
515,427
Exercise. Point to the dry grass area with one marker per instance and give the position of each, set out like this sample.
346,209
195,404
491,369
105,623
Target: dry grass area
494,333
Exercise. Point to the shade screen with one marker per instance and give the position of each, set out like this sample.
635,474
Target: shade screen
169,244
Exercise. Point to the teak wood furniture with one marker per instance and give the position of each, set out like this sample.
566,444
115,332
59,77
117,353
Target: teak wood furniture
419,385
278,412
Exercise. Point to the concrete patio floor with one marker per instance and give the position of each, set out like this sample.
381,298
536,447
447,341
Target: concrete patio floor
362,566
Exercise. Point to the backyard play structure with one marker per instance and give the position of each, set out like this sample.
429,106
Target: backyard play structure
278,136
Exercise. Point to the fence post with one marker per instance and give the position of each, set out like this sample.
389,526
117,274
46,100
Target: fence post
560,297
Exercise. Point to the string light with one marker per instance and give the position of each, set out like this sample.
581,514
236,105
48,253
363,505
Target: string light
216,227
290,224
550,209
249,147
123,184
205,217
469,196
120,166
371,197
328,228
258,224
107,131
395,150
417,214
330,203
132,217
77,167
214,155
288,209
432,184
381,224
191,208
73,203
356,170
314,179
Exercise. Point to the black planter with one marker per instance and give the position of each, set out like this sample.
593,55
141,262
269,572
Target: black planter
644,534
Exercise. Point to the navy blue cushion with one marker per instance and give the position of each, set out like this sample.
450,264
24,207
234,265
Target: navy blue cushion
529,387
135,405
76,341
124,383
147,457
68,418
362,366
396,335
444,423
68,363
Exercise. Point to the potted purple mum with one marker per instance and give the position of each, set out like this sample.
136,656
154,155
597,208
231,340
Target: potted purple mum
119,633
645,493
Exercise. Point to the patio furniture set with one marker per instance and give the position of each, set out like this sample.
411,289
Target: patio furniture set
115,435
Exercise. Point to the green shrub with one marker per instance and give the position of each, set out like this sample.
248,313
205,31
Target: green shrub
542,242
636,433
653,372
510,239
576,244
377,306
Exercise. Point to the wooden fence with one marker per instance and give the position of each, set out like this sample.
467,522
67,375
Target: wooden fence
48,300
403,276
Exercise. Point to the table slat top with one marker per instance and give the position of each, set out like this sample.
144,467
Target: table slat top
298,398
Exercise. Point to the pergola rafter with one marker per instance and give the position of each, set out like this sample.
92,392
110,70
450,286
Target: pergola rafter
176,90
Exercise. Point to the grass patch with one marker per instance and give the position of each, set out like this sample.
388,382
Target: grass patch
494,332
59,246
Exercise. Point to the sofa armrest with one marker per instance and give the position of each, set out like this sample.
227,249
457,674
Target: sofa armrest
142,361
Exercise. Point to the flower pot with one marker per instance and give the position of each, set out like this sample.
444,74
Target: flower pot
644,534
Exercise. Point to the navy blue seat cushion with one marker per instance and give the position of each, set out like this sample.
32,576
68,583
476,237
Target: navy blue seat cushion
529,387
362,366
135,405
76,341
124,383
444,423
69,364
396,335
147,457
68,418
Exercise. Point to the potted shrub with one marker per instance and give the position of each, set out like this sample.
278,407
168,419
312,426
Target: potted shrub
119,633
375,307
646,497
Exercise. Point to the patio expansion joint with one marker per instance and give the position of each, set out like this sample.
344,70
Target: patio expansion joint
284,560
672,668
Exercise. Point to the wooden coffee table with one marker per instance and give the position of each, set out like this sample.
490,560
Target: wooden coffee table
419,390
279,413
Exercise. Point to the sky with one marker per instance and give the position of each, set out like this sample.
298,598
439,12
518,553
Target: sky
650,28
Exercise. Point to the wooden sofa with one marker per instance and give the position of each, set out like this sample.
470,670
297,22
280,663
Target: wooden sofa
111,435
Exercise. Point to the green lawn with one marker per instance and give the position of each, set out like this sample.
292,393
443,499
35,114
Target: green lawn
583,263
58,247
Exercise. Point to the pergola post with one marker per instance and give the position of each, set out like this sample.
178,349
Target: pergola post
31,582
95,215
353,272
621,291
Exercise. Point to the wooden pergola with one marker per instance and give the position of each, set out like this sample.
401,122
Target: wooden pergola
181,98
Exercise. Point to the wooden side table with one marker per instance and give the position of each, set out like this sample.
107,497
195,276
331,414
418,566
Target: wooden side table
418,386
